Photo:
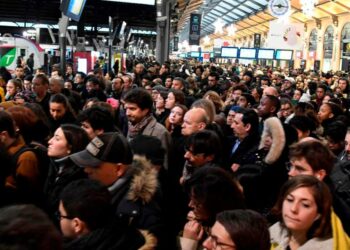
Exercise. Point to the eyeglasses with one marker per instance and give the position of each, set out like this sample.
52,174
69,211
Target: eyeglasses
59,216
299,169
219,245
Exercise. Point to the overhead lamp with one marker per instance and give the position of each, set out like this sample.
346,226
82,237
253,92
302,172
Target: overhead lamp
308,7
219,24
318,24
335,21
206,39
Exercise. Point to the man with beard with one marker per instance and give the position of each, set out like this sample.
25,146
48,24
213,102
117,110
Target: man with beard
138,108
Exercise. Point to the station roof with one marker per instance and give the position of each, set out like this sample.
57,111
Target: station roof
248,16
95,13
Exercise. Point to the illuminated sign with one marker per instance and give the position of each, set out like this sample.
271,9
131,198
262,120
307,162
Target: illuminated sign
229,52
266,54
247,53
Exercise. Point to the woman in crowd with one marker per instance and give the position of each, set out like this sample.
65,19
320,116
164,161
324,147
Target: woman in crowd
240,230
297,95
30,126
60,111
328,113
13,86
174,97
304,209
67,139
176,117
215,98
35,134
211,190
161,113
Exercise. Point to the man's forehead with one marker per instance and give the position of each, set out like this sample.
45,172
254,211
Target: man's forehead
130,105
238,117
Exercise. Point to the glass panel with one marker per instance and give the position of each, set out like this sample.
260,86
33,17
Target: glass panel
345,34
345,40
224,10
328,42
245,9
313,40
217,13
225,5
252,5
238,12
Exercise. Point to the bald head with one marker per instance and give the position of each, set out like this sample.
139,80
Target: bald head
270,91
195,119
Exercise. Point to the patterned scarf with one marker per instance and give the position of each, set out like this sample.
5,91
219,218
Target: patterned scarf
134,130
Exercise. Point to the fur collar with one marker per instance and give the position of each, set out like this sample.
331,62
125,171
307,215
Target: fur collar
274,129
144,182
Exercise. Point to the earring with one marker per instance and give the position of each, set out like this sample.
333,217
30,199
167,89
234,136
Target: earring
317,217
68,151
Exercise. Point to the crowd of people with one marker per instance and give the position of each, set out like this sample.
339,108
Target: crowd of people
180,155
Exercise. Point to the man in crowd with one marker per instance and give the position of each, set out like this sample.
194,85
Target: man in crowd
195,119
245,127
138,107
202,148
40,88
87,220
108,159
96,121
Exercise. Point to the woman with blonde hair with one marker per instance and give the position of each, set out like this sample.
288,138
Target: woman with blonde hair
215,98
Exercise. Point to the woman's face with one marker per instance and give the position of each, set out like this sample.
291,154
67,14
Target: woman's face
176,116
324,113
57,110
10,89
300,84
219,238
160,102
170,101
68,85
201,214
255,94
58,145
242,102
299,210
297,95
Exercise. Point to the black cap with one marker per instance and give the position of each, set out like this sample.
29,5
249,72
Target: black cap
108,147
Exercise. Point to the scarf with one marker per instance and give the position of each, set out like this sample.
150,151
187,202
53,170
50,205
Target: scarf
134,130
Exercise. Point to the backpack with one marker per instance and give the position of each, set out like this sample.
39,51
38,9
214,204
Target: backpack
40,152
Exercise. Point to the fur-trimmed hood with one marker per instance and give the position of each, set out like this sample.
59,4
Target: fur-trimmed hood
144,181
274,129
